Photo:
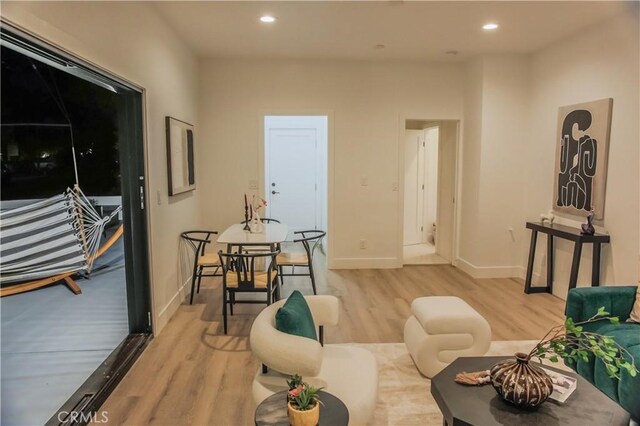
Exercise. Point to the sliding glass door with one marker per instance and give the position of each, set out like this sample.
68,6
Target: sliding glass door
75,287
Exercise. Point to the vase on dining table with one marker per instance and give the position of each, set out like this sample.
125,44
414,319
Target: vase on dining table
255,225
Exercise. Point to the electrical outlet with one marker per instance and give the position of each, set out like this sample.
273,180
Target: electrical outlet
395,186
363,244
364,181
253,184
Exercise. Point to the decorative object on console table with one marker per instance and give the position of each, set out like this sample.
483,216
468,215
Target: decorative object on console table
581,157
587,228
549,217
567,233
180,156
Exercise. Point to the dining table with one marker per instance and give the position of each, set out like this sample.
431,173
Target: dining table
272,235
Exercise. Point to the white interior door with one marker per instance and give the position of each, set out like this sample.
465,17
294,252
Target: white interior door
413,186
294,171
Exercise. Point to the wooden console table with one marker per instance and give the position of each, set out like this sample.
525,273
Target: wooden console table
567,233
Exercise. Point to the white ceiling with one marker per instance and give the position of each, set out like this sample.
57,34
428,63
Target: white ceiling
411,31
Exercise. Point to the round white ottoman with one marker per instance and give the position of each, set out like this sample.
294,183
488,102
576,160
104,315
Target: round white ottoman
441,329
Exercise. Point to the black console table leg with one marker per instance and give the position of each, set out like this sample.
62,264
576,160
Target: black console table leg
575,265
550,263
595,267
532,256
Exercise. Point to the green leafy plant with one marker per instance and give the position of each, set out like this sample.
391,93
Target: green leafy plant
571,342
307,398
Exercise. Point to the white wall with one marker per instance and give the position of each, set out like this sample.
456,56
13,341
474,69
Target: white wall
132,41
368,102
599,63
494,149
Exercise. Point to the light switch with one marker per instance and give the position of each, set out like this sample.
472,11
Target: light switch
364,181
394,186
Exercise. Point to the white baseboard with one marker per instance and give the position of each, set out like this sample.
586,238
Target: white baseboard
165,314
365,263
489,271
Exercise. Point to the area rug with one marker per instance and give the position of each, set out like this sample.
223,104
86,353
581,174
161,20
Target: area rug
404,395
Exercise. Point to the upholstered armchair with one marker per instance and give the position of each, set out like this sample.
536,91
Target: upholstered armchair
348,372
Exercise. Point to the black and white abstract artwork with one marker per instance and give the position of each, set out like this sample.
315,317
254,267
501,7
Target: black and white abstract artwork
581,158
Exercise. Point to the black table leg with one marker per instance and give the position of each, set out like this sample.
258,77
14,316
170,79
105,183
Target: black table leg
595,267
550,263
532,256
575,265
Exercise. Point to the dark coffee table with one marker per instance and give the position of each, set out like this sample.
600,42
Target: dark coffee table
481,405
273,411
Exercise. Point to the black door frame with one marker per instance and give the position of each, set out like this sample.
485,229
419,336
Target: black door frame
84,404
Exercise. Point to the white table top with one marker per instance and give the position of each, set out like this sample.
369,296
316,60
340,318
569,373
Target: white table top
273,233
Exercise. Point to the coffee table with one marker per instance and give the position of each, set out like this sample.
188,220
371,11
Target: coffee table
273,411
481,405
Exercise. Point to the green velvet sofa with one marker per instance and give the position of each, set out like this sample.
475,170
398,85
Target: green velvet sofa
582,304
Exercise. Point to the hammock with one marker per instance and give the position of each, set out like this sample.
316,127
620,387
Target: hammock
56,238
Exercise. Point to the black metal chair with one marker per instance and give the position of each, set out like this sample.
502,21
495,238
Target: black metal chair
310,240
198,241
239,276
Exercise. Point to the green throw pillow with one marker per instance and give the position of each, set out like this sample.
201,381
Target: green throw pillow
294,317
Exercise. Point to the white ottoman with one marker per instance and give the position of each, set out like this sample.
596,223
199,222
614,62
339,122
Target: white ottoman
441,329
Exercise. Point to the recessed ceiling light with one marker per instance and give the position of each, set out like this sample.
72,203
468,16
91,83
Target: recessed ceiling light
379,46
452,52
268,19
490,26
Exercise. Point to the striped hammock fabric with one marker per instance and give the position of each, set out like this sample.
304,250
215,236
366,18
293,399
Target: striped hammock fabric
50,237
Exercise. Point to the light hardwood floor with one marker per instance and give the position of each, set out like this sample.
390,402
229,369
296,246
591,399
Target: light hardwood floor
192,374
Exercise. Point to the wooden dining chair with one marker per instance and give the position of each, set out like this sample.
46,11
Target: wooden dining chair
198,241
239,275
310,240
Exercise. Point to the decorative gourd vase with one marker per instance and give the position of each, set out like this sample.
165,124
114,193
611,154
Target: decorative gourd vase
520,382
309,417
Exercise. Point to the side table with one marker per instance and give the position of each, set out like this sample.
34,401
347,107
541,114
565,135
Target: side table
273,411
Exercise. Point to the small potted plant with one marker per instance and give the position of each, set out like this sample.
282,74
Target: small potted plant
524,384
304,410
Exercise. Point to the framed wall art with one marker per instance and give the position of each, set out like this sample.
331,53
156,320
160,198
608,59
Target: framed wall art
581,158
180,156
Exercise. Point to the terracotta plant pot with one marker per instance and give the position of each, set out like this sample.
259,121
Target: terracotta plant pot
521,383
304,418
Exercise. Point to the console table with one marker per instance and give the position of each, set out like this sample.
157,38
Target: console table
567,233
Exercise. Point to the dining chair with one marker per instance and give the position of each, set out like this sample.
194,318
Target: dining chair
198,241
239,275
310,240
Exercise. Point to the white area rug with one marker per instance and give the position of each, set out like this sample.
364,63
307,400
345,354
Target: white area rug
404,396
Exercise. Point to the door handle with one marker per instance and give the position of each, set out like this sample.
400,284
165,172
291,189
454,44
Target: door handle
274,192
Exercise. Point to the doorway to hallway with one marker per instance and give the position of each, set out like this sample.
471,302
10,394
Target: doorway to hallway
429,152
295,166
